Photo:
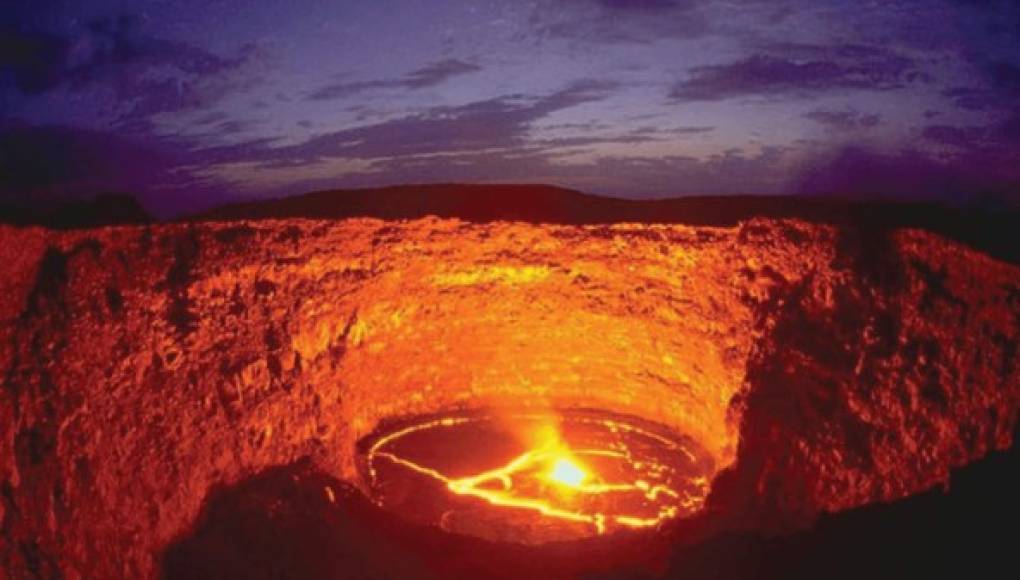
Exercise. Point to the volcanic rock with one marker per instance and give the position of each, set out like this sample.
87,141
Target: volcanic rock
144,367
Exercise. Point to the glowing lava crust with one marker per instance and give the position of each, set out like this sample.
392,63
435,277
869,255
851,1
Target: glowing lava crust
534,478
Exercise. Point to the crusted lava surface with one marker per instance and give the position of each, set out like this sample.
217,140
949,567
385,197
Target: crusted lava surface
154,377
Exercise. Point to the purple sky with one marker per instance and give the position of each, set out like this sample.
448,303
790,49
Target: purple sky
191,103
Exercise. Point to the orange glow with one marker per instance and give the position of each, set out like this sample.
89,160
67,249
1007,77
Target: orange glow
553,480
566,472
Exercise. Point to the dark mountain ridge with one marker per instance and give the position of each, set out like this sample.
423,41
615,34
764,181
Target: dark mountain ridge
987,228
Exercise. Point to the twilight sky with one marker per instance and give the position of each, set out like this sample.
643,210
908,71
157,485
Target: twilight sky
191,103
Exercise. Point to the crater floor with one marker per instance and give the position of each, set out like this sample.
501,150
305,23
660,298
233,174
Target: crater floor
534,477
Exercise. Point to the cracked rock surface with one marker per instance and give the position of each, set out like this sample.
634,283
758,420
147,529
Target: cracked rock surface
824,368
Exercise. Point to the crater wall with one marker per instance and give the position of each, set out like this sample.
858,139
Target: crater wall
143,366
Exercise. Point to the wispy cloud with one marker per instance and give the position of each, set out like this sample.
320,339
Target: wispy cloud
799,71
844,120
637,4
148,74
1000,91
38,61
500,122
1000,136
618,21
428,76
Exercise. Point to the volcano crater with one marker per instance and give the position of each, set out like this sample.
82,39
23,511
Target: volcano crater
147,369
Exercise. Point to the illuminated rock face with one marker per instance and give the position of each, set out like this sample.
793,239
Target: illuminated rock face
821,369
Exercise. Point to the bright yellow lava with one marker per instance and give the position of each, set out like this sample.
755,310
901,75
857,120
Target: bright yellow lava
553,462
567,472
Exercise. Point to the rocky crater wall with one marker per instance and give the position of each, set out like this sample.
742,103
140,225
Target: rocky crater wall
823,368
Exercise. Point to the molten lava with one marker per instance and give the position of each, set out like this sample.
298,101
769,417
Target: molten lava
521,479
566,472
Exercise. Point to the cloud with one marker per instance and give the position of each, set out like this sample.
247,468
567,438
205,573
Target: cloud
1004,75
843,120
973,99
799,71
637,4
146,74
617,21
960,137
728,173
999,91
910,174
1009,129
500,122
438,73
428,76
1001,137
38,61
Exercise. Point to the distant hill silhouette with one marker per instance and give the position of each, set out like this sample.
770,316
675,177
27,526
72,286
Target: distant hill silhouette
103,210
993,230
